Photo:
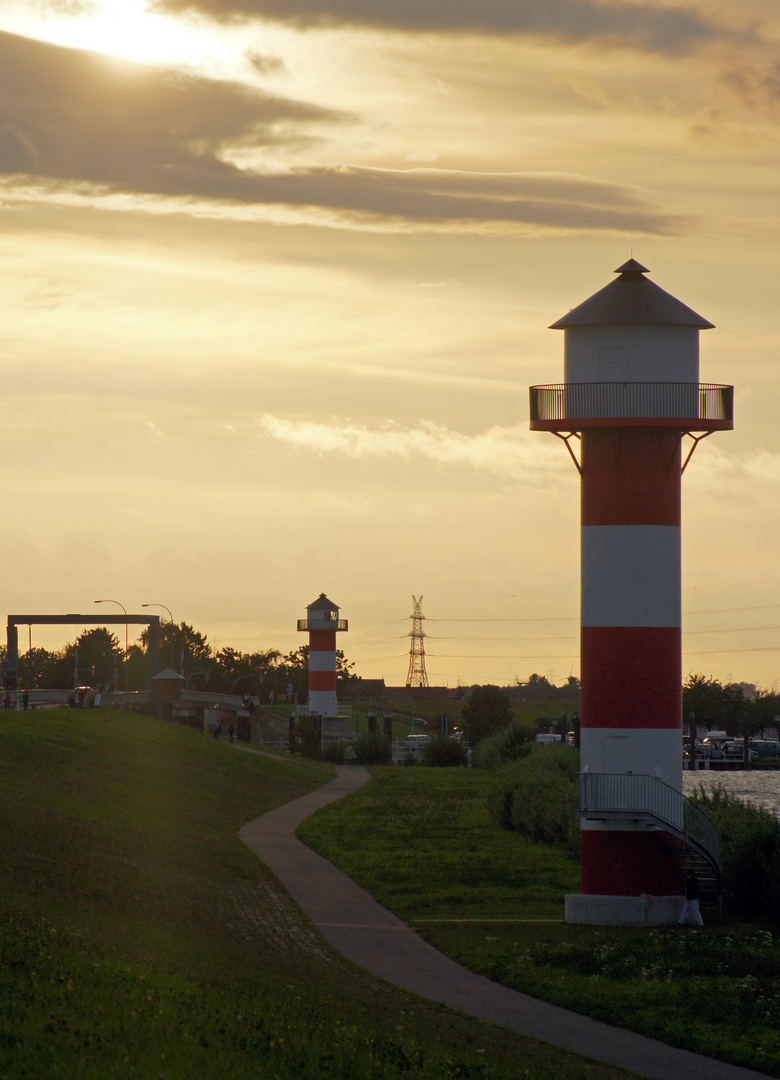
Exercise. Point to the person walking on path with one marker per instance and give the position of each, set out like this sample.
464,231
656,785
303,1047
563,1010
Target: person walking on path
690,909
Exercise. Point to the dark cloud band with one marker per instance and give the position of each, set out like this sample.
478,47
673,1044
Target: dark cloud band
647,26
82,121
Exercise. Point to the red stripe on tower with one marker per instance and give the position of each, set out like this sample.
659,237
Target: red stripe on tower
631,392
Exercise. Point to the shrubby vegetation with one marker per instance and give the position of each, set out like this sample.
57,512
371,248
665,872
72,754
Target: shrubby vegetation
307,739
487,710
537,795
372,749
508,745
750,854
539,688
443,751
333,753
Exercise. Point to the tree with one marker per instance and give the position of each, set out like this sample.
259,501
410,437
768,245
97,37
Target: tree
487,710
94,654
538,688
444,752
344,672
33,666
237,672
293,670
767,707
191,649
703,702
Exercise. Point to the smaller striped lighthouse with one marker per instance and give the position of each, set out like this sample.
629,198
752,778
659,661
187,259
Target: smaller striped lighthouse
323,623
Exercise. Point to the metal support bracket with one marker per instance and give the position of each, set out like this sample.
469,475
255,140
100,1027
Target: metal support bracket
696,440
565,439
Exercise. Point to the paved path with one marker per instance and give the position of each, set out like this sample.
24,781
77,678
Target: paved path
371,937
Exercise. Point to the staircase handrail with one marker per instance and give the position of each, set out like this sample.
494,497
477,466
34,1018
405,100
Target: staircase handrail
624,794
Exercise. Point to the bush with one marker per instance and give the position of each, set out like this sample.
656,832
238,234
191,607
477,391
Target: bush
508,745
537,795
333,752
373,749
444,751
487,710
307,737
750,854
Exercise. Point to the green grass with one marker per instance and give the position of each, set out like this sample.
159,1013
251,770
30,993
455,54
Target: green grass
421,842
139,938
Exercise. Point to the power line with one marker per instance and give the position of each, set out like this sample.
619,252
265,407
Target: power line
575,637
713,652
379,641
501,656
724,610
538,618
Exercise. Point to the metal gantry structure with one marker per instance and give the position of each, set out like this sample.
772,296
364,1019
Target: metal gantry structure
417,675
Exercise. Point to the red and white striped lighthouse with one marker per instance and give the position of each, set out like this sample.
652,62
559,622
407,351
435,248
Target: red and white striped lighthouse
630,395
323,623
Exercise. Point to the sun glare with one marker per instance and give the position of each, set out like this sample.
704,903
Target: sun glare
121,28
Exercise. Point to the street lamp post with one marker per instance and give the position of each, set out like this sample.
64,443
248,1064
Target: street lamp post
173,644
254,675
124,609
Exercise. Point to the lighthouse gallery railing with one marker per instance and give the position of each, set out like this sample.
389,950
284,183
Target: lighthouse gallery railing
636,400
636,795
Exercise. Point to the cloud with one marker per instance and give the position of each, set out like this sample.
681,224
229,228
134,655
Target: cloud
265,64
93,126
755,470
70,8
758,89
515,453
70,115
647,26
509,452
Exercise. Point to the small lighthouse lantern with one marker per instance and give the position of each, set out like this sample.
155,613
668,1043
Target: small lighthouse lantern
322,623
631,395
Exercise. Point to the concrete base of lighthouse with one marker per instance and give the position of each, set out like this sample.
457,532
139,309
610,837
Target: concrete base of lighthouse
584,910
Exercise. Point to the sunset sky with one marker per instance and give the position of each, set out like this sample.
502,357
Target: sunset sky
275,276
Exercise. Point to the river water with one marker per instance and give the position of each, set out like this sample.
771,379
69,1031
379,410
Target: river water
761,787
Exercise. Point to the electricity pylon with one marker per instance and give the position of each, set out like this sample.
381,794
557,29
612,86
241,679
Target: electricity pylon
417,675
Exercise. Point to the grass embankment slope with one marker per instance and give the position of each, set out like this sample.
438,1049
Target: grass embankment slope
139,938
420,841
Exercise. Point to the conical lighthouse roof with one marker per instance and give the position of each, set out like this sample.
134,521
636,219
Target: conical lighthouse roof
322,604
632,300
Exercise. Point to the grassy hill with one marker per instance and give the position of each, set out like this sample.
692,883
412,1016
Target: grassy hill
139,938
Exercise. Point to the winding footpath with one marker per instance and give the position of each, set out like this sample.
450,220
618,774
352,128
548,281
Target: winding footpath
371,937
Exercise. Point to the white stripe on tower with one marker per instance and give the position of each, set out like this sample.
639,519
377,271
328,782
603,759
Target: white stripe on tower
630,575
